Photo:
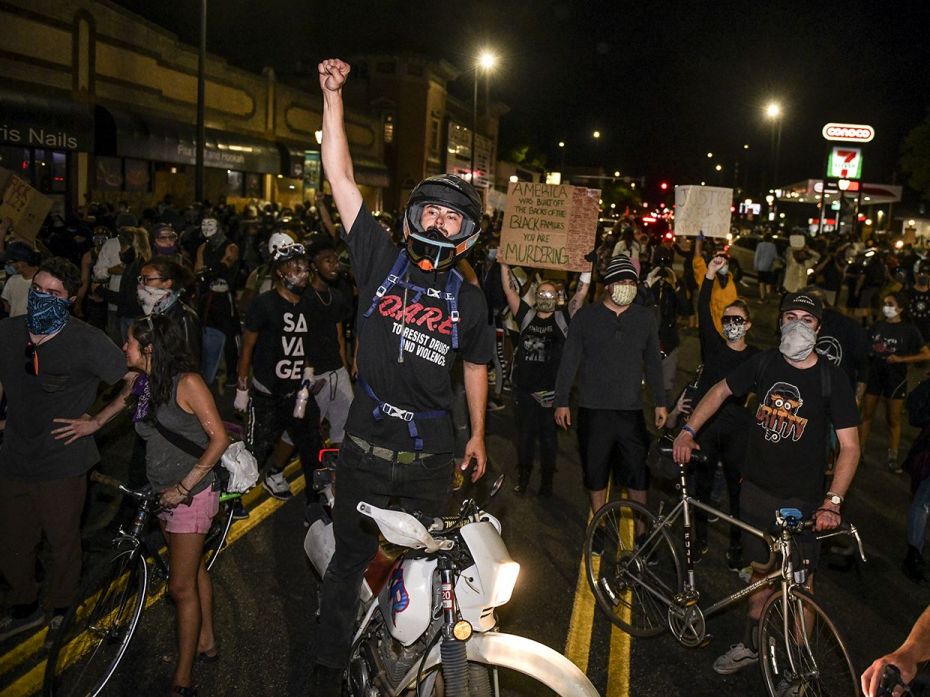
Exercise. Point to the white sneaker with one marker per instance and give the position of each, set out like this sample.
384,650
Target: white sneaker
734,660
276,485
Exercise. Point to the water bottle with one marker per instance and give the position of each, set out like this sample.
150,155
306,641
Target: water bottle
303,394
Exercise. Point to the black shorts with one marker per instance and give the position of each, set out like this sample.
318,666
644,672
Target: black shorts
768,277
613,441
886,383
757,508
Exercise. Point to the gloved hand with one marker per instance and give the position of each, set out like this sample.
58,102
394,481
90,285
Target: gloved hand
585,277
653,276
241,402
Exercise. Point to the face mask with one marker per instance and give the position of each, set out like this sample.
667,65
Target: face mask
545,301
623,295
296,282
166,251
155,301
46,313
724,270
734,332
209,227
797,340
889,311
492,254
10,270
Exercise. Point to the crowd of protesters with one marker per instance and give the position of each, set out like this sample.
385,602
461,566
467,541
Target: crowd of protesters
209,299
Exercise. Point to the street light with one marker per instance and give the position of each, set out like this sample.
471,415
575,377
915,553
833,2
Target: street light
718,168
774,112
562,159
596,134
486,60
710,155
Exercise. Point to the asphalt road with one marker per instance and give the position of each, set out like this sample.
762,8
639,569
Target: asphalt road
266,592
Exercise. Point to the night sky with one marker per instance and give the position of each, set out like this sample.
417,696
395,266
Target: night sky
664,82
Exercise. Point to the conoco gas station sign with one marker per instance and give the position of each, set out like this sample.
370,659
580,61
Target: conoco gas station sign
848,132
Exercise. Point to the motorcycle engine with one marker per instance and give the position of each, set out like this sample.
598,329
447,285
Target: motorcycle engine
381,658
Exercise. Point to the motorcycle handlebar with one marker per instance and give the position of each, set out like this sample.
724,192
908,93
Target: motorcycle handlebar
696,455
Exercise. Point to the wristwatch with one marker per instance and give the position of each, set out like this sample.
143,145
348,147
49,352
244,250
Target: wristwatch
834,498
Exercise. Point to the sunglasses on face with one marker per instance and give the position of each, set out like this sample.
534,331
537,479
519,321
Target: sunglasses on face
734,319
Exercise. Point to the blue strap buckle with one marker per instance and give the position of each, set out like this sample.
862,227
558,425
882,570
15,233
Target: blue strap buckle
454,315
396,412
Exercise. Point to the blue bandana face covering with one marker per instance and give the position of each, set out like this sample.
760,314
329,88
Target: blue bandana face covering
46,313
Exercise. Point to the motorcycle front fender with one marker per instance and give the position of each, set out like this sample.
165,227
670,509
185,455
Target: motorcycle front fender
524,656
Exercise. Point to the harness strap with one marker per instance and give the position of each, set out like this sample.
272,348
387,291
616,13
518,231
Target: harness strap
386,409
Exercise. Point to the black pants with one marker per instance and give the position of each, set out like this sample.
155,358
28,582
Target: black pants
423,485
534,422
724,439
270,416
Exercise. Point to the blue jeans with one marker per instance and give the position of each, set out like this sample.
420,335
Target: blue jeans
213,342
917,516
423,485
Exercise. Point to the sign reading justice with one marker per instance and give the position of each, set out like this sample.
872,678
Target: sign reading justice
549,226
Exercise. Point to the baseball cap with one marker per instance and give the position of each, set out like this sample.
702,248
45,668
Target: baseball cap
802,301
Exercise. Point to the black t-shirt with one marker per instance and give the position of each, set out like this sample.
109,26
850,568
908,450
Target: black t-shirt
539,350
787,445
72,365
283,346
887,339
421,381
918,307
328,308
844,343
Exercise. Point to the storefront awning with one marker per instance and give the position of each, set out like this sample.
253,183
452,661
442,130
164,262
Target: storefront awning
31,121
161,140
370,173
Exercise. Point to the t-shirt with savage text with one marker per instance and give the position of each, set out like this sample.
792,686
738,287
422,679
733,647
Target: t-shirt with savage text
282,348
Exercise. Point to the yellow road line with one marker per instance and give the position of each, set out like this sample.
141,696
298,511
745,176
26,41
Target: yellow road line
618,666
31,682
578,641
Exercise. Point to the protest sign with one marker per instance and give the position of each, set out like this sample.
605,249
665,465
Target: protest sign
22,204
703,209
549,226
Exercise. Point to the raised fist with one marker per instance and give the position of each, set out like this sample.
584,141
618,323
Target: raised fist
333,74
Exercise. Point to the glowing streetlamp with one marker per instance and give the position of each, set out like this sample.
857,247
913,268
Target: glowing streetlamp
774,112
596,135
486,61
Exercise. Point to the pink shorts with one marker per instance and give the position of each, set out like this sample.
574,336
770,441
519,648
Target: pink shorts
195,518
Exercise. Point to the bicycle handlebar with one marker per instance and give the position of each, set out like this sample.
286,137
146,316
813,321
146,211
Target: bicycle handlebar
891,678
119,486
696,455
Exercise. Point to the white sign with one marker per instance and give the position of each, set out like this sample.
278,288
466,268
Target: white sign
703,209
848,132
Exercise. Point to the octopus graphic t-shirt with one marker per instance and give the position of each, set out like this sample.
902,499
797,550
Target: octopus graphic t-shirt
787,447
405,348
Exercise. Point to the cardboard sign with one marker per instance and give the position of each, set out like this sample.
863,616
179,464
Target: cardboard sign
703,209
549,226
25,206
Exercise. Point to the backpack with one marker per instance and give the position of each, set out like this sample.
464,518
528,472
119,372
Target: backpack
559,321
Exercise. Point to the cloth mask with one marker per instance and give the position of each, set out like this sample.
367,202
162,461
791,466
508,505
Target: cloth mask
9,270
797,340
623,295
734,332
545,301
724,270
155,301
890,311
46,313
166,251
492,254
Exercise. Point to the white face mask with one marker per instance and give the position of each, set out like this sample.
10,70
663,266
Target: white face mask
209,227
623,294
797,340
890,311
155,300
723,270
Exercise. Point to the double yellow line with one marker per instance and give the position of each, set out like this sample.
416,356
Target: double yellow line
581,627
30,683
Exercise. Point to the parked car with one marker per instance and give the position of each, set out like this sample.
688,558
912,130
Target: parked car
743,249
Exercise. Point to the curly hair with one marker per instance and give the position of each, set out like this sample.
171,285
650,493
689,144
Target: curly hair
170,353
64,271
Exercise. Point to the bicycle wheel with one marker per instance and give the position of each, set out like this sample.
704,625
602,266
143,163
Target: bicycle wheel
485,681
633,584
97,628
215,541
801,651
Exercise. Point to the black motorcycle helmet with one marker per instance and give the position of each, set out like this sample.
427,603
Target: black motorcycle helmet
429,249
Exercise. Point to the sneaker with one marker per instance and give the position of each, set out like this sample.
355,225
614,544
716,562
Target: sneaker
11,626
734,660
239,512
276,485
893,466
598,540
495,404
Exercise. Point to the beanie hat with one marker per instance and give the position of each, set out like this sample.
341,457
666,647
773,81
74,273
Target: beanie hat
620,268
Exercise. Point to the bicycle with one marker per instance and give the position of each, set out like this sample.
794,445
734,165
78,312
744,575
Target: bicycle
638,581
98,628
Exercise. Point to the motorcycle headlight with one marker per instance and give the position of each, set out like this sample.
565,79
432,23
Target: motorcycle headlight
505,579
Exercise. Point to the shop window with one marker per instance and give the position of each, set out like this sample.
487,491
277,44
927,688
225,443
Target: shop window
253,185
137,175
388,129
109,172
434,136
50,170
18,161
235,182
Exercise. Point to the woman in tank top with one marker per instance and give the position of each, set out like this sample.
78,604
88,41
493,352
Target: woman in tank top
170,390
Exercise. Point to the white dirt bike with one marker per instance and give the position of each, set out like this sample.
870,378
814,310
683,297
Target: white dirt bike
431,629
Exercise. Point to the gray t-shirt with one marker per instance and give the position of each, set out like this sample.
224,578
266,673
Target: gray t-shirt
165,463
72,364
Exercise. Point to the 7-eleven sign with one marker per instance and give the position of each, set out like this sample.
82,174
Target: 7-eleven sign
845,163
